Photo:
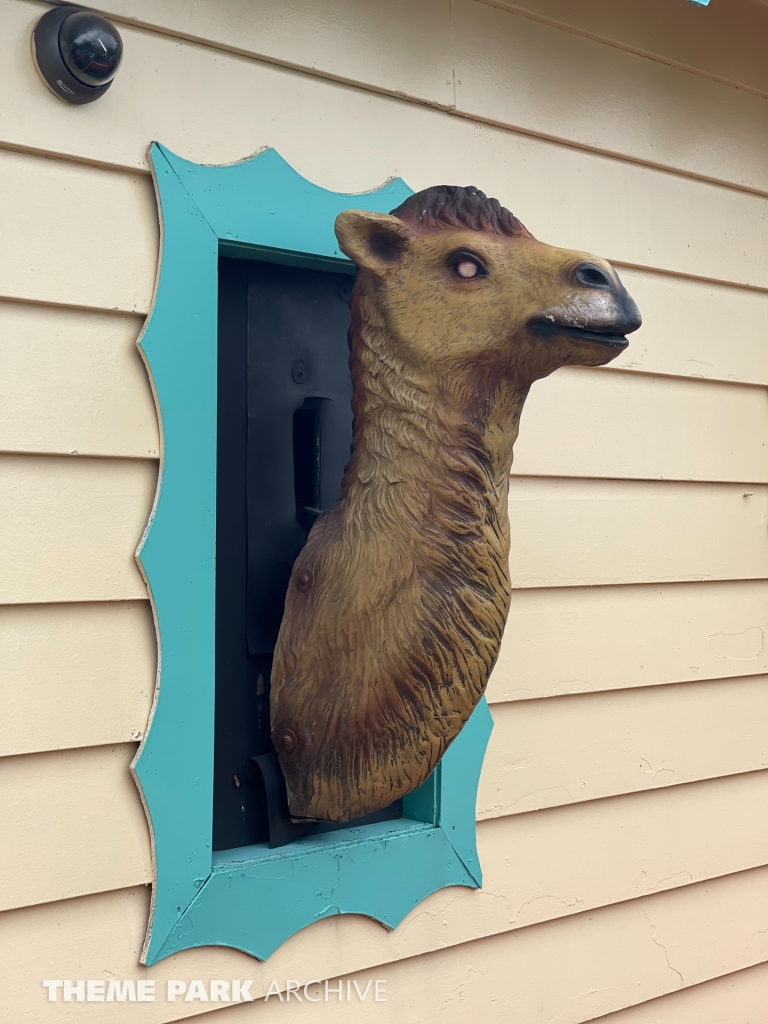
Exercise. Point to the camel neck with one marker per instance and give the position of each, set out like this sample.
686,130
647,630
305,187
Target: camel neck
425,448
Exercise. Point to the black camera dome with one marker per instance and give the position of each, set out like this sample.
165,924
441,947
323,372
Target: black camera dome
77,52
91,48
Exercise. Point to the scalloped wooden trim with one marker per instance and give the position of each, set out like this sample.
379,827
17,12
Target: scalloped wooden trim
254,898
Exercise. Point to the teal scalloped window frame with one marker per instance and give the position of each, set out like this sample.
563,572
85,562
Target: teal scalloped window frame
253,898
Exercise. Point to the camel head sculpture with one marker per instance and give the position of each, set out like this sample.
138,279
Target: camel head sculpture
396,606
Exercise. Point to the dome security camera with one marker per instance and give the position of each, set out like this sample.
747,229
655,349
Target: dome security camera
77,53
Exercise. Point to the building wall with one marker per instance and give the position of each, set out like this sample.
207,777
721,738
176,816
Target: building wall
624,799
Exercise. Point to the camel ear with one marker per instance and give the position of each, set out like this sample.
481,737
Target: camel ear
374,241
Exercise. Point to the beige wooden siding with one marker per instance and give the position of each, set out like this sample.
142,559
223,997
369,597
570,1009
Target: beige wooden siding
570,969
582,639
71,526
75,675
737,997
45,860
668,33
75,383
624,800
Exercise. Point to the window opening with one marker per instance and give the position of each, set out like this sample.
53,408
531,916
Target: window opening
284,425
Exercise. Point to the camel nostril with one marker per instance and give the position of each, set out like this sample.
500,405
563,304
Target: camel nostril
633,320
592,276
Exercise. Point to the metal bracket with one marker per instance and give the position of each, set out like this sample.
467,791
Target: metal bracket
282,828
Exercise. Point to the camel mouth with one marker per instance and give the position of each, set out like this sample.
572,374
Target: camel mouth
550,328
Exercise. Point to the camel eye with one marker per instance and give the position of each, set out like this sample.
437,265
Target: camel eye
467,266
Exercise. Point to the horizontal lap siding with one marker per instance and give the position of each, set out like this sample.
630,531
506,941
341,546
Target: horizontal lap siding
82,812
76,383
567,749
561,641
404,49
727,46
627,212
60,660
74,375
39,261
581,423
616,101
346,38
568,970
495,65
571,532
623,819
697,329
737,998
75,824
581,639
575,199
557,641
70,527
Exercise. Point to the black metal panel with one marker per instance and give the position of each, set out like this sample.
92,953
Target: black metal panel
299,395
242,680
284,436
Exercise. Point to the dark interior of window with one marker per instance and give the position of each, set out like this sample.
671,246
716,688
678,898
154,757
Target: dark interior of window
284,435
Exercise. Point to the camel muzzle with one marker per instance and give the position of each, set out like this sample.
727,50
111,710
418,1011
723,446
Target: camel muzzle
596,278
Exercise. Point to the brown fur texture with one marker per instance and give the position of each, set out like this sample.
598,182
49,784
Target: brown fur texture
397,604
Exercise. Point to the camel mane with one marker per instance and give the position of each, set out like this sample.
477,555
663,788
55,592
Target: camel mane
458,206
